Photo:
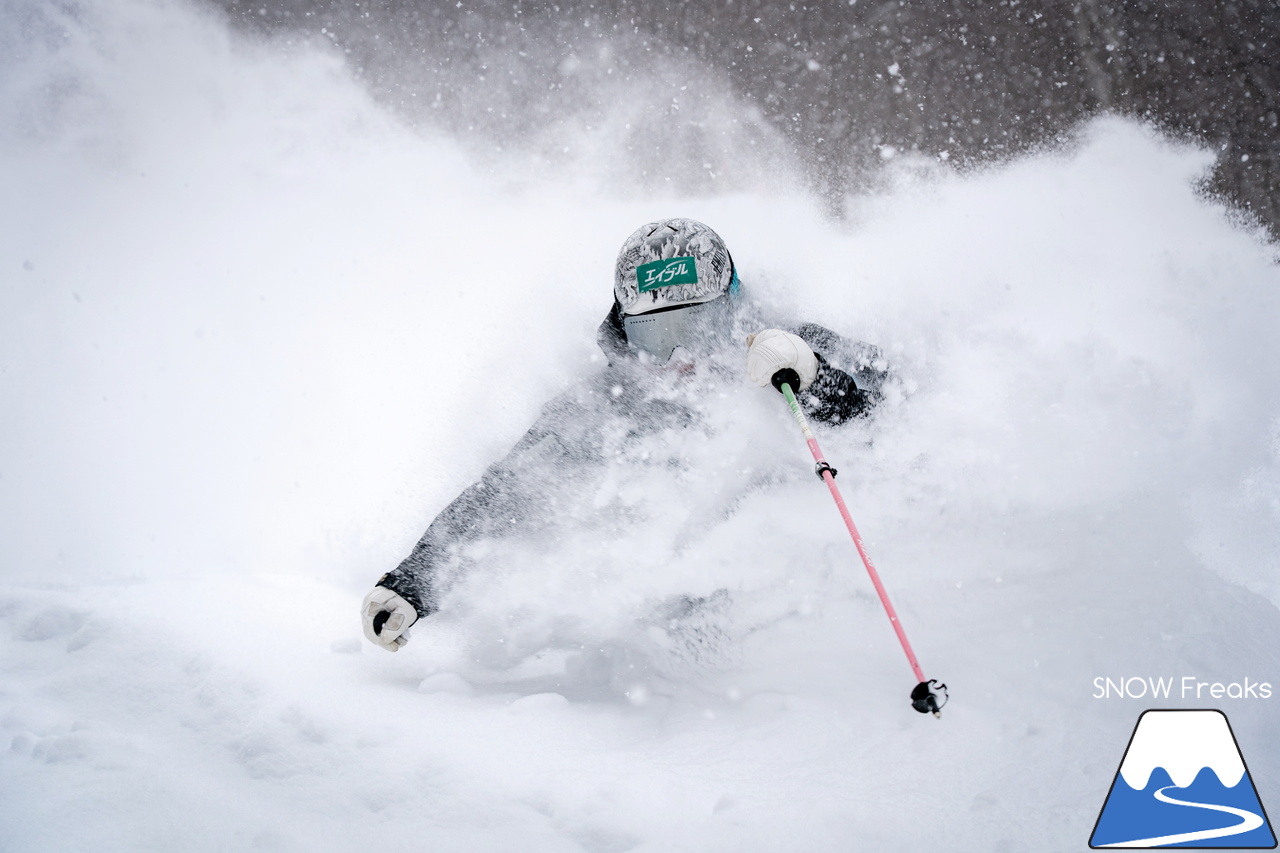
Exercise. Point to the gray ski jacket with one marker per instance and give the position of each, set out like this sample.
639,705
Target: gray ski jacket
580,432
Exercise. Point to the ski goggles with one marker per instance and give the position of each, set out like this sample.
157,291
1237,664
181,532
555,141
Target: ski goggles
692,327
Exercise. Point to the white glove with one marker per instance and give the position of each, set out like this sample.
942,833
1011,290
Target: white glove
773,350
394,625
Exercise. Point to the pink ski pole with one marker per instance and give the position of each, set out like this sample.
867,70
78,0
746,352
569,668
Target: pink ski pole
923,699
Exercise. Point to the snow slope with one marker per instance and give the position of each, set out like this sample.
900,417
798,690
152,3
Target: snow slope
254,333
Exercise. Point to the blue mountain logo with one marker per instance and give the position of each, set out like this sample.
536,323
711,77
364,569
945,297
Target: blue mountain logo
1183,783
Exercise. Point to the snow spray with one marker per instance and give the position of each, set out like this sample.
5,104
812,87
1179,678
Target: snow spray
923,697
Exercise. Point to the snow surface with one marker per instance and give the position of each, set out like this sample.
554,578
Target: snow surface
1183,743
255,333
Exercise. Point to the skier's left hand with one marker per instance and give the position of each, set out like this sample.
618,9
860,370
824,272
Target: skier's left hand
773,350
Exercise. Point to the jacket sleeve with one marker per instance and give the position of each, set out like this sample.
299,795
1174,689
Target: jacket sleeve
850,376
510,497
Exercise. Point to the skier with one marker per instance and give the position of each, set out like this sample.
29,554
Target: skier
677,304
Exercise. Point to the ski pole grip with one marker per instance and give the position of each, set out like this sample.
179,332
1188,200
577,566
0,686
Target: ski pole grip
789,376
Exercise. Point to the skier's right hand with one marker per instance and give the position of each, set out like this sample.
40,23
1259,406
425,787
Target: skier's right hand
773,350
387,618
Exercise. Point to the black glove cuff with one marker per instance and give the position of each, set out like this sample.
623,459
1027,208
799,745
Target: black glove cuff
406,591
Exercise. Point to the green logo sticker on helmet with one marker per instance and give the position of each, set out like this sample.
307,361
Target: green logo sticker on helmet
666,273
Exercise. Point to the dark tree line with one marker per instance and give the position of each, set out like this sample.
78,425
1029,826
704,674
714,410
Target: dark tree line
965,81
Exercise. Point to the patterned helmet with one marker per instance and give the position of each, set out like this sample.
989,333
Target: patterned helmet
671,262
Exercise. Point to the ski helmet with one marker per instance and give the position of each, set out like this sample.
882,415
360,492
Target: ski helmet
669,281
669,263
